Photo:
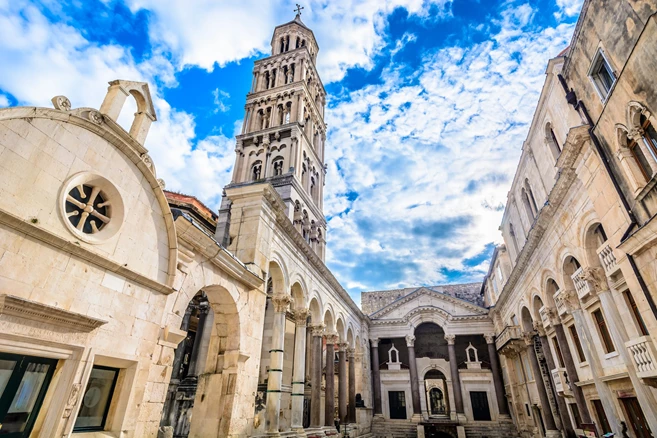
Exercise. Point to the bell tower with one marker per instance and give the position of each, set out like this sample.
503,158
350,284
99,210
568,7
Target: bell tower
283,134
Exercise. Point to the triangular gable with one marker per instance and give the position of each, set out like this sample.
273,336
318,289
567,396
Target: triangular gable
473,309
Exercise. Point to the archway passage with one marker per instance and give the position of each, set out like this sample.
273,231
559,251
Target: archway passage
435,386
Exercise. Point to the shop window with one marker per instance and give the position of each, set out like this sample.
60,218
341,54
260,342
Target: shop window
97,399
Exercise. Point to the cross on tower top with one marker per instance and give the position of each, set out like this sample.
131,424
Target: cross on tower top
298,9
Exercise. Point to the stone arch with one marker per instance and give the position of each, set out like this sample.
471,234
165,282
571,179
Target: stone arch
526,320
548,297
537,304
593,236
117,93
329,320
634,112
350,338
341,330
298,295
278,269
420,315
315,308
550,288
569,265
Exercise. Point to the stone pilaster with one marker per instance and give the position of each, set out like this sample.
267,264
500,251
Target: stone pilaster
571,371
275,378
298,374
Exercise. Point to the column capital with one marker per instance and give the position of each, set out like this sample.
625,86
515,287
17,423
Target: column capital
301,317
281,302
570,300
538,327
451,339
410,341
528,337
351,352
331,337
342,346
375,342
317,329
490,338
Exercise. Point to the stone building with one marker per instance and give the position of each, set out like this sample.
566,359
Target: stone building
572,289
131,311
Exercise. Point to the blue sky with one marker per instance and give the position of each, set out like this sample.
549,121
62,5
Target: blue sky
429,103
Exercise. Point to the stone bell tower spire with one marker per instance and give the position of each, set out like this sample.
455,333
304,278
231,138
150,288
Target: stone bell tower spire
283,134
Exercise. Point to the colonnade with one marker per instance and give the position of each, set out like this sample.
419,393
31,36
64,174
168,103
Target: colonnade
456,389
346,401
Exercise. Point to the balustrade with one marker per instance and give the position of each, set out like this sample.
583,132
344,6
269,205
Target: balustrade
561,382
644,356
584,288
607,258
560,301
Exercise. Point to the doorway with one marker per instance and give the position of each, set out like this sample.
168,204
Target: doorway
397,401
636,417
24,381
480,409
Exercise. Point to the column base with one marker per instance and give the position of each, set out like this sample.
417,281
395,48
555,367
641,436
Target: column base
461,418
314,432
331,431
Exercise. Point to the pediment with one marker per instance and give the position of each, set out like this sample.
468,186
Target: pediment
425,298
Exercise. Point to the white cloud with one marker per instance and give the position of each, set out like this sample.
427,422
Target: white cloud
4,101
205,32
429,153
42,60
220,98
568,8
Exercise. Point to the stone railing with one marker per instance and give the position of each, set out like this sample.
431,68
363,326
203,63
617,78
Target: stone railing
583,287
644,357
561,383
510,333
560,302
545,316
607,258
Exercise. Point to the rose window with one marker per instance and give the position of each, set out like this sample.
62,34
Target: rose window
87,208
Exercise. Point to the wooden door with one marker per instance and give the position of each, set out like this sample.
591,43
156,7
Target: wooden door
397,401
636,418
480,409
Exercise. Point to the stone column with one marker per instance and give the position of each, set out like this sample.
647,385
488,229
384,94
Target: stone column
376,377
329,392
498,380
200,348
352,385
316,388
562,409
412,367
342,382
607,397
454,371
298,374
571,370
548,418
275,377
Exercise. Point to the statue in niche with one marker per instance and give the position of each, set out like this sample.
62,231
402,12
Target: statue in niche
437,402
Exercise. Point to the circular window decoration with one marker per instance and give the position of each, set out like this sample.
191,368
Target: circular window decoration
92,207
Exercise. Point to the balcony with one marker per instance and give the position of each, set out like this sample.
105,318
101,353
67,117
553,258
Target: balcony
561,382
607,258
584,288
545,316
644,357
560,301
509,339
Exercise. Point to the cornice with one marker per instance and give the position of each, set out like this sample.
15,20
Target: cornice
42,313
426,291
566,176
